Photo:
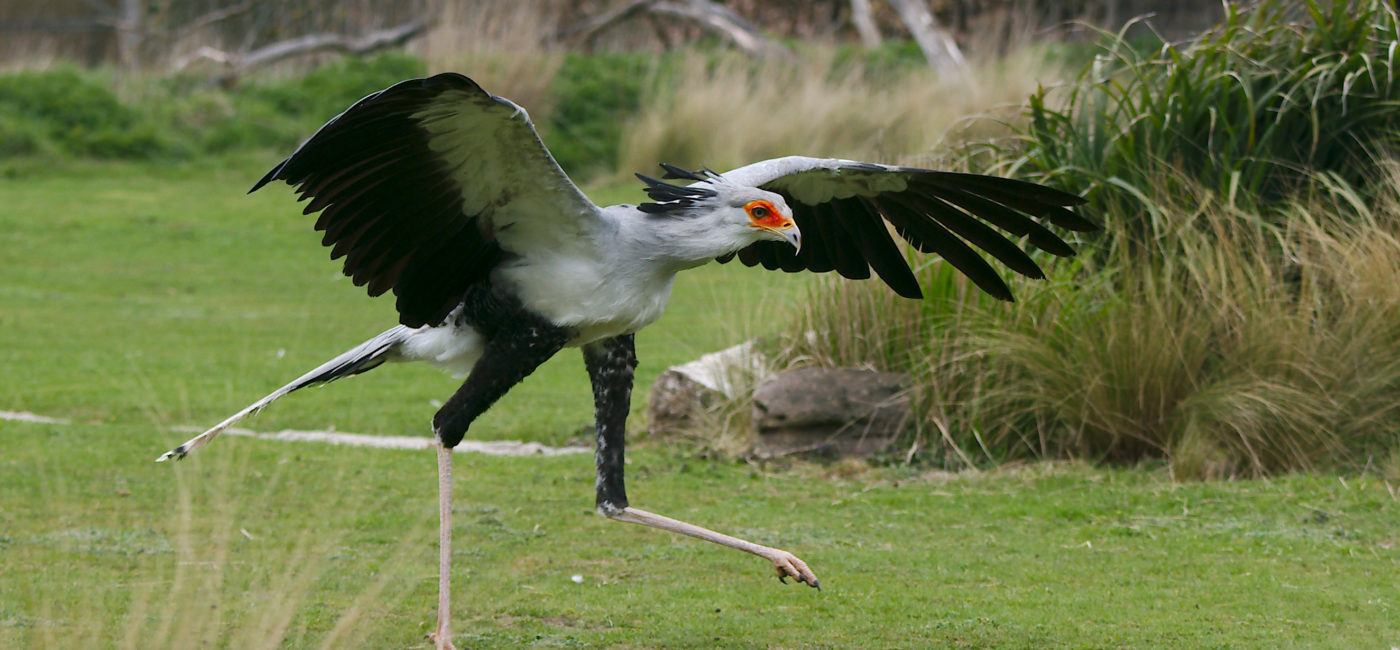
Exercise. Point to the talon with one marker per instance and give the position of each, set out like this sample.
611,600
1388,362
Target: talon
447,644
789,565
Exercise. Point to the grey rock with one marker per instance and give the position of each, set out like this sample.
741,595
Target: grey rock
682,393
676,402
845,411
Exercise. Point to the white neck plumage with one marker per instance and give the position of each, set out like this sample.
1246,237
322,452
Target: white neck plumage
672,243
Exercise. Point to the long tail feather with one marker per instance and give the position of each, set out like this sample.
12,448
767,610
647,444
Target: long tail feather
365,356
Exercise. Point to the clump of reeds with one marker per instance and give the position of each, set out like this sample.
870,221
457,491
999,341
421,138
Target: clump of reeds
1236,317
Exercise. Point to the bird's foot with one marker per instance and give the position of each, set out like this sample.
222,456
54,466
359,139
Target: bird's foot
791,566
444,643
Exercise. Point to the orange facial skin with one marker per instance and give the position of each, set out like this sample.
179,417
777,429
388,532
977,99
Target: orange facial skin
765,215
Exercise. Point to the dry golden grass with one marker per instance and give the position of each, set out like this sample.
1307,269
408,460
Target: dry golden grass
501,44
734,111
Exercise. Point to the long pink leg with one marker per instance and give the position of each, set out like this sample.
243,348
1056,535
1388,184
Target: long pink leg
786,563
442,637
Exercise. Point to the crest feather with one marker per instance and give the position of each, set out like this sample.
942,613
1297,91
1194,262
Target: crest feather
670,198
702,174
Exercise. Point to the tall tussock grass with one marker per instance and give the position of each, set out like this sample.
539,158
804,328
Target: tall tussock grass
1238,315
1217,359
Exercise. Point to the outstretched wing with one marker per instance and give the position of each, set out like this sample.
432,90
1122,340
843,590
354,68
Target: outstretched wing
423,186
841,206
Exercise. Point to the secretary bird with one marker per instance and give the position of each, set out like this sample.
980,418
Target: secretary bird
444,194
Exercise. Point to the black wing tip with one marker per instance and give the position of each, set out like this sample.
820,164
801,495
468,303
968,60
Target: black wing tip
994,286
270,176
1043,193
1040,201
1071,221
437,82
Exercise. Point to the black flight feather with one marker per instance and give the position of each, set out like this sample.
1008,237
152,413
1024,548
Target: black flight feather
1035,200
389,203
1009,220
928,236
979,234
880,251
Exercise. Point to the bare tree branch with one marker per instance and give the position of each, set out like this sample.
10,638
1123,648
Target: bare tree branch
865,24
238,64
586,30
204,53
710,16
937,44
720,20
312,43
130,32
216,16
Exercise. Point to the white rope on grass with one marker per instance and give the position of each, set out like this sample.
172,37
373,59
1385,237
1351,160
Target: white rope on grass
488,447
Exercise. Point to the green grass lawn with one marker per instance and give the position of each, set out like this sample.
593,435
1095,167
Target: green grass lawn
140,297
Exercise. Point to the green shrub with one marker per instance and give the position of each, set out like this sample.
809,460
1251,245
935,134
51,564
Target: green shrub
66,111
1250,109
18,137
595,98
886,62
71,112
327,90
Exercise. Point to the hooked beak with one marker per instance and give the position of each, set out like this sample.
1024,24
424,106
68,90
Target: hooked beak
790,234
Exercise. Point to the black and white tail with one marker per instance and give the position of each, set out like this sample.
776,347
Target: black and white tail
365,356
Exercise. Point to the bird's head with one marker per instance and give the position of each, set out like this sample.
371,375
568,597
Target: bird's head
763,214
738,214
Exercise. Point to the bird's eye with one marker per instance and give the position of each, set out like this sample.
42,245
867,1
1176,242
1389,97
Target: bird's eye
758,212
